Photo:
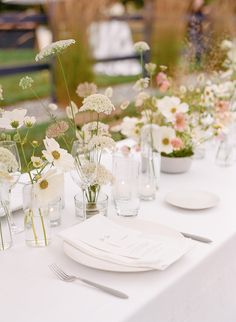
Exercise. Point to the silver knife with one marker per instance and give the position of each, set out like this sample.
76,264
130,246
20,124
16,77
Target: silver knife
196,237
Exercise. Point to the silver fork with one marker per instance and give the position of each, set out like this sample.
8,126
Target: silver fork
71,278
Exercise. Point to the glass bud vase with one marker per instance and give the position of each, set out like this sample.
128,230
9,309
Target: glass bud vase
225,155
85,207
36,219
5,227
147,178
149,154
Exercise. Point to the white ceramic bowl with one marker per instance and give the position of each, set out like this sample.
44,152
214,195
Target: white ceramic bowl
175,165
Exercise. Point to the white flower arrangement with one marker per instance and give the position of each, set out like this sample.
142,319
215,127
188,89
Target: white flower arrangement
12,119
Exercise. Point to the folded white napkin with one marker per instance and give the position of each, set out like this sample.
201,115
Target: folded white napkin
102,238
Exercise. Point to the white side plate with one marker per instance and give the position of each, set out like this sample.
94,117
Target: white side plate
192,199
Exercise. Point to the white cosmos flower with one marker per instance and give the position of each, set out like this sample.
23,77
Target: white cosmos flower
141,46
60,158
109,92
97,102
72,110
166,135
129,127
54,48
169,106
12,119
29,121
48,187
141,84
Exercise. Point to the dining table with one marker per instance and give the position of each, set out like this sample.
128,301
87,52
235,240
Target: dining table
200,286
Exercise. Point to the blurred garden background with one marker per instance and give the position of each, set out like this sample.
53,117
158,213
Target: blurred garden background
183,35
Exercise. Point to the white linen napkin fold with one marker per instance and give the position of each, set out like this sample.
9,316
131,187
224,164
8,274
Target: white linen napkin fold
102,238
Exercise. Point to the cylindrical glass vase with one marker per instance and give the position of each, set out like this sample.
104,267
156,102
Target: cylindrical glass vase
36,219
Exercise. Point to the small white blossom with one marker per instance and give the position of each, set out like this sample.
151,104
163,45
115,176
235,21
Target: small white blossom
101,142
86,89
12,119
54,48
129,127
109,92
60,158
72,110
98,103
90,129
52,106
26,82
8,162
102,177
151,68
124,105
141,84
141,98
29,121
37,162
141,46
226,44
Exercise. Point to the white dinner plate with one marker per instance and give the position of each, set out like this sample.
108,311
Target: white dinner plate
192,199
137,224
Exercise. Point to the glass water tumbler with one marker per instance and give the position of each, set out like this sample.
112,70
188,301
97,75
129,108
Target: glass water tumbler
125,187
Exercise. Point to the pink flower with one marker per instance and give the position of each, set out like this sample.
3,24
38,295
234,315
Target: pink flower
177,144
180,122
162,82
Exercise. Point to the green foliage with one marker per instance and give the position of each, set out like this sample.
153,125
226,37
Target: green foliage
188,152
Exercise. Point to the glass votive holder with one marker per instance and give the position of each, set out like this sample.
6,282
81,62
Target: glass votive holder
55,210
85,209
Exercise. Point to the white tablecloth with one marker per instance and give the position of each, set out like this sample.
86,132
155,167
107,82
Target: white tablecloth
199,287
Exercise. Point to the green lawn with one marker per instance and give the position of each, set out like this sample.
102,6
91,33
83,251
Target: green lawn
42,78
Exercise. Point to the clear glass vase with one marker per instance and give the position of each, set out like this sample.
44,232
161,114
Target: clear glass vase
225,155
5,225
36,220
85,208
147,178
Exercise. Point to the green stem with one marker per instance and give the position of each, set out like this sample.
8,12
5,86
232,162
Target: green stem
24,156
43,226
33,227
67,91
1,234
142,67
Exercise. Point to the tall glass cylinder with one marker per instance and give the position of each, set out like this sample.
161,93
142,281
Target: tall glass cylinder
5,228
125,187
36,219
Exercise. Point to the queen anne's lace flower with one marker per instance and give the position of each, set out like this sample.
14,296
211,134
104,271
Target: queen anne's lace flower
141,46
86,89
8,162
54,48
141,84
102,175
12,119
26,82
57,129
101,142
98,103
